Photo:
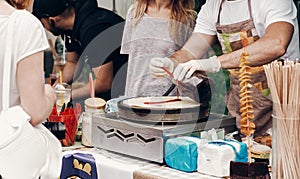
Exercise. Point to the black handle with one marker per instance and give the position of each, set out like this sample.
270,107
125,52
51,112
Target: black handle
169,90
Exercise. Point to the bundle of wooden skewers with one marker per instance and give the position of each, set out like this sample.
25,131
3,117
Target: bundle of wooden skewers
283,80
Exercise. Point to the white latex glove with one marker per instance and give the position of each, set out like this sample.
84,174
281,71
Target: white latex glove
157,64
186,70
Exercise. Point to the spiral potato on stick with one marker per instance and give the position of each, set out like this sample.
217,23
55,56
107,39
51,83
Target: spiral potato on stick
246,108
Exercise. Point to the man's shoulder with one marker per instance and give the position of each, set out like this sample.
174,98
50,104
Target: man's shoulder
106,16
97,17
100,19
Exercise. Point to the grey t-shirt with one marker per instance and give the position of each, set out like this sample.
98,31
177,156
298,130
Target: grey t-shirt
144,40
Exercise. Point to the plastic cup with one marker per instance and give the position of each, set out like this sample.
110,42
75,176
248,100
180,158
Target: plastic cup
63,95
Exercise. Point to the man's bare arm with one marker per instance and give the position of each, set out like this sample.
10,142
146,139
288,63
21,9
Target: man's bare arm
195,48
70,67
103,81
268,48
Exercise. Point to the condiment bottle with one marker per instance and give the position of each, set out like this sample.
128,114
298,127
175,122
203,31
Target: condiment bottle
92,106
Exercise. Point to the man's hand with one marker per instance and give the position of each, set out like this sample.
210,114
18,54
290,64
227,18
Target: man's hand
186,70
157,64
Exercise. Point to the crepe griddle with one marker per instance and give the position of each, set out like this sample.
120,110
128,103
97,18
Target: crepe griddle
185,110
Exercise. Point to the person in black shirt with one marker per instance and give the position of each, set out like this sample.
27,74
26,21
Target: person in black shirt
92,35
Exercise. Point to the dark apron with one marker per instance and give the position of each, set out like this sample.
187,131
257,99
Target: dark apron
233,37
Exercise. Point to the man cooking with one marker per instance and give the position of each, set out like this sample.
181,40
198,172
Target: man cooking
267,30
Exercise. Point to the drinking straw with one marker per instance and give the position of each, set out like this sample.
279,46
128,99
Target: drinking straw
60,77
60,83
92,88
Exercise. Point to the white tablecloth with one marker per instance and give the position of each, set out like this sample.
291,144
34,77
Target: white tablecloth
116,166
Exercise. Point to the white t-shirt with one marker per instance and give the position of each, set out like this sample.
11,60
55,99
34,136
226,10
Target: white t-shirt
147,39
264,12
28,38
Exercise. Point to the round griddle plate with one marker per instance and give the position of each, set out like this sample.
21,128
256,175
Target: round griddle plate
186,110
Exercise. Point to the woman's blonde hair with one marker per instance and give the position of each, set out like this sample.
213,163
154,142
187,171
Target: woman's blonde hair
20,4
182,13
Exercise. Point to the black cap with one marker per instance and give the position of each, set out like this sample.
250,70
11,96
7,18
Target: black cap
49,8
